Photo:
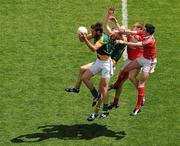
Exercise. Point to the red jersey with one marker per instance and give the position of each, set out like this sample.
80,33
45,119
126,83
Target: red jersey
149,47
134,52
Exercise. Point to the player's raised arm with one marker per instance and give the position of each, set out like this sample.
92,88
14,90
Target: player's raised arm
115,21
106,23
120,28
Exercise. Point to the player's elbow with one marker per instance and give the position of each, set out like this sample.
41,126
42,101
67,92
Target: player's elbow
94,49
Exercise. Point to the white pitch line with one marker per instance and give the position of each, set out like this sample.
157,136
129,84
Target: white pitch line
124,22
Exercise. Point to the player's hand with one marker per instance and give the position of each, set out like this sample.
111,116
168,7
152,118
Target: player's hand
80,38
122,30
113,19
111,10
83,36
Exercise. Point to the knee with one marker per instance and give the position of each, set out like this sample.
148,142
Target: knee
126,68
131,77
82,69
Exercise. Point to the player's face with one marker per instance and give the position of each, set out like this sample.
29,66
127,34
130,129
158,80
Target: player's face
145,32
136,27
93,32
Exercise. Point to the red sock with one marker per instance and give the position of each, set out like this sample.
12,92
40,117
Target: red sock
121,77
116,100
140,97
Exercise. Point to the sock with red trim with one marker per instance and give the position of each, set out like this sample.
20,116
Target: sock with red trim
140,97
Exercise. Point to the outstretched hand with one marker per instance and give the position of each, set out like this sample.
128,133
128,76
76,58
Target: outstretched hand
113,19
111,10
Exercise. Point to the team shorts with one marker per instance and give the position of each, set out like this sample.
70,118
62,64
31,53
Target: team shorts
127,61
104,68
148,65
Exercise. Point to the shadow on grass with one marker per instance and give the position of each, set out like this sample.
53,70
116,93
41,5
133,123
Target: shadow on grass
69,132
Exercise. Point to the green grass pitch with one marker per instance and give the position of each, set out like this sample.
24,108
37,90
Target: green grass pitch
40,55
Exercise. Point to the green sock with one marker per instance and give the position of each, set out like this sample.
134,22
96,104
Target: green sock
94,92
105,107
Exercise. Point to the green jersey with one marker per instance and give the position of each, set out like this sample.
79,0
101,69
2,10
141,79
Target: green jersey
106,48
118,49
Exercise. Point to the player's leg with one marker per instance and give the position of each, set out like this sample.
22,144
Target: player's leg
143,77
104,68
95,112
86,78
77,86
118,86
115,102
132,76
121,77
132,65
103,89
81,71
129,65
104,96
97,103
117,95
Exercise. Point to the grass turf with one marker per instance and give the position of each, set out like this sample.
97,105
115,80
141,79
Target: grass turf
40,56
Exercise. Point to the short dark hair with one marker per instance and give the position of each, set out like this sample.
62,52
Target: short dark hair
150,28
97,27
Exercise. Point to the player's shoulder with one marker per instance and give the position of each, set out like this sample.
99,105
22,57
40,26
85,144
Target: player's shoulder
148,39
104,38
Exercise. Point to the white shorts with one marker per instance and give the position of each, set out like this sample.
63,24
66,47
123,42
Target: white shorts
148,65
104,68
127,61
